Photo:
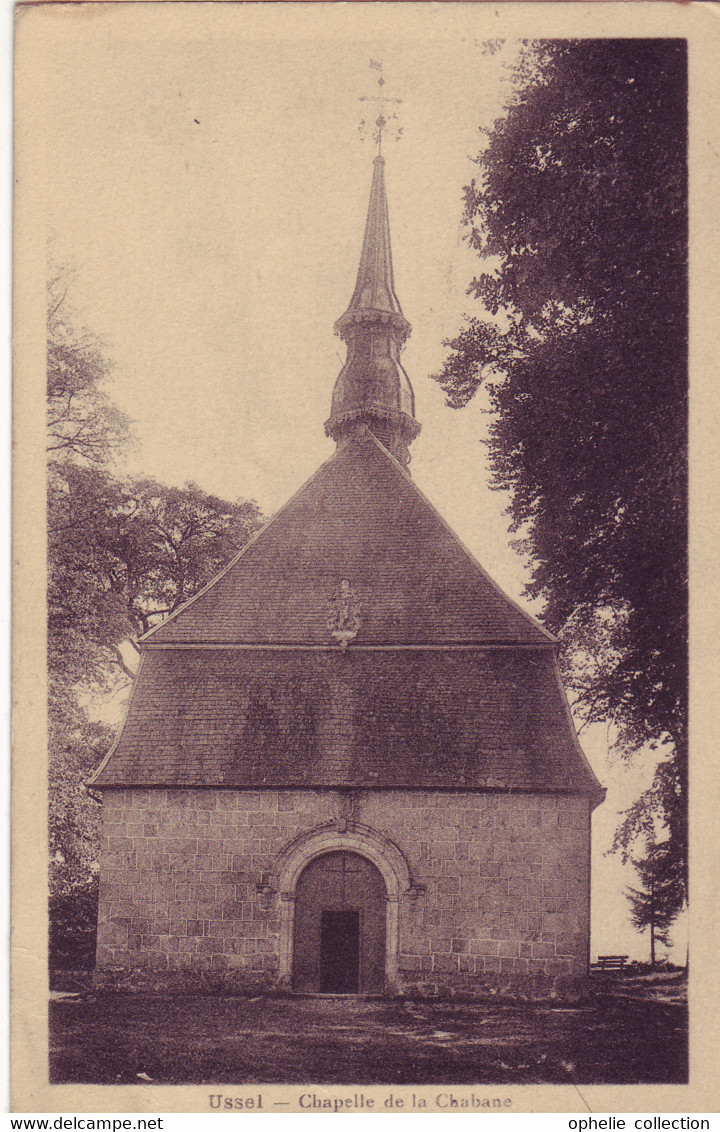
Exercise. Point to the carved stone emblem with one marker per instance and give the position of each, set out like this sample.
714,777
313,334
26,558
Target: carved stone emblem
344,620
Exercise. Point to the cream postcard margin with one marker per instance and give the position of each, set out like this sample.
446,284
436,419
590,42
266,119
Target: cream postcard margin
37,26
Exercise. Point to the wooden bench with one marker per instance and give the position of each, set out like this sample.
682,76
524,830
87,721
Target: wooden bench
610,963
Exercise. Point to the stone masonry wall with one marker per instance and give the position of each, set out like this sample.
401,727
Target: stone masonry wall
501,883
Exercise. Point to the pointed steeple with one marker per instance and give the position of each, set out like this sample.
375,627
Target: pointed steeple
373,391
375,286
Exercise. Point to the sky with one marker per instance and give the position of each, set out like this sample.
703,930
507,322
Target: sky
206,190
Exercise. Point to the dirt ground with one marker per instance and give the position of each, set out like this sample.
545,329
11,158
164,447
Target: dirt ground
630,1031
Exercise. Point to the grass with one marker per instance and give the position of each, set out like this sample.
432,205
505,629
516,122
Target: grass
631,1031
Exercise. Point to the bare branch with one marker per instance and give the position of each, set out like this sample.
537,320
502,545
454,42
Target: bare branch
119,660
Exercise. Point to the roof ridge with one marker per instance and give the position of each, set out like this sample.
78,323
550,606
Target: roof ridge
242,552
456,538
519,624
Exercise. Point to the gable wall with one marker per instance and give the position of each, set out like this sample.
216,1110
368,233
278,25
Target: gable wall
502,883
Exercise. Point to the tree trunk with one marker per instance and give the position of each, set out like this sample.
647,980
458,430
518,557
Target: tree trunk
652,924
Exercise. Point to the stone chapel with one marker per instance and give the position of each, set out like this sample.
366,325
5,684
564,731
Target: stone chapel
348,763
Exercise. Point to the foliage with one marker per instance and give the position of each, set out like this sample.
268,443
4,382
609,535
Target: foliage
657,903
77,745
73,925
122,554
82,423
579,217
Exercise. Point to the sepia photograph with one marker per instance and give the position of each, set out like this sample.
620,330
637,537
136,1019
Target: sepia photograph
363,583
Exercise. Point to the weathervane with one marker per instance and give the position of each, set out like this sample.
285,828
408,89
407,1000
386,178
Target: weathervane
381,121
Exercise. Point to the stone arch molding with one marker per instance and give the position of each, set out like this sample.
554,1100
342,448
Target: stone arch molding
355,838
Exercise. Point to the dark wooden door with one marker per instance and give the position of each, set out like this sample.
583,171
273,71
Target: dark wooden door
339,937
340,952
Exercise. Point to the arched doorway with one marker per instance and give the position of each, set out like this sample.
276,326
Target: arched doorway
339,931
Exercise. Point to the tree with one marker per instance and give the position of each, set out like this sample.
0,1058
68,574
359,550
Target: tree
579,216
657,903
76,746
83,429
82,423
122,554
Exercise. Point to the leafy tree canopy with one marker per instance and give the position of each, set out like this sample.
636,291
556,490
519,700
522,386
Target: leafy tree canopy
122,554
578,214
82,423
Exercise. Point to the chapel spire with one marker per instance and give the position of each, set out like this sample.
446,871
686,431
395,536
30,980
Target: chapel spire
375,285
372,390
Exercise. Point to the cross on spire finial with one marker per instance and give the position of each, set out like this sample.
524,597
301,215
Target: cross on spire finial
382,99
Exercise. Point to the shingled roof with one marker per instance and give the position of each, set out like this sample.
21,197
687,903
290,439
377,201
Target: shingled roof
440,682
448,683
472,718
360,518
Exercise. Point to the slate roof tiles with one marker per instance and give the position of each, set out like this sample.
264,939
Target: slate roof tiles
448,684
359,517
